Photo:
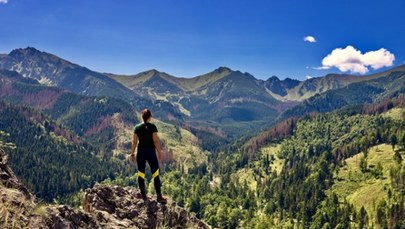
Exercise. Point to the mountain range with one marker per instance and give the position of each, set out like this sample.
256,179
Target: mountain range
222,101
51,70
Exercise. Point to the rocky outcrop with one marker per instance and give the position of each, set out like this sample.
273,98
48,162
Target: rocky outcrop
104,206
15,201
9,180
117,207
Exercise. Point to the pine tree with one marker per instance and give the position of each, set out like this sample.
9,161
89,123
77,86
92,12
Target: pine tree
393,140
363,218
363,164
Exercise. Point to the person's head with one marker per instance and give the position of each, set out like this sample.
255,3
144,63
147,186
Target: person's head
146,115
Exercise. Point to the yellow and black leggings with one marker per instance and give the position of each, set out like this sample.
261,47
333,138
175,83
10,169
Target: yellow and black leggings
143,156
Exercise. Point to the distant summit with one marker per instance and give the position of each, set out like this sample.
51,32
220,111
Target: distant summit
19,53
222,70
51,70
280,87
35,64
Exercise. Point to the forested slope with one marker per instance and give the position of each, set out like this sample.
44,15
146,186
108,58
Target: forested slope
289,180
52,161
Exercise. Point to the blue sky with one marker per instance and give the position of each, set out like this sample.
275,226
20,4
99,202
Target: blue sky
187,38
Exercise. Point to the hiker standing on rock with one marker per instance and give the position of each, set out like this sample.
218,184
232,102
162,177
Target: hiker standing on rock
146,135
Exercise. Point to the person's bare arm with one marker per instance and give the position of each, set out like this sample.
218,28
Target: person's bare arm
157,146
133,147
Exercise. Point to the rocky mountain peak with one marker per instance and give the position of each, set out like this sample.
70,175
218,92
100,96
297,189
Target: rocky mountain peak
38,58
154,71
29,51
222,70
273,79
280,87
290,83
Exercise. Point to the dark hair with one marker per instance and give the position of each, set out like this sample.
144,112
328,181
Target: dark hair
146,114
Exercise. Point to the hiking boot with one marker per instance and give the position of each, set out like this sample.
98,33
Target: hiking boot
141,196
161,199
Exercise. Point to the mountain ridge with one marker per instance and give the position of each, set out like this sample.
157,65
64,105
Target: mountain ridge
187,84
221,96
363,92
31,62
286,90
310,87
46,57
49,69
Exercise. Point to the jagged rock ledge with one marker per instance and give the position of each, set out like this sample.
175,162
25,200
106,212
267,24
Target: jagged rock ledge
117,206
104,206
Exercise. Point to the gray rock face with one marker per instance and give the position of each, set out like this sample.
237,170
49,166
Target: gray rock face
116,207
104,206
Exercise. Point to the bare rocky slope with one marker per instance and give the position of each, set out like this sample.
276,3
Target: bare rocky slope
103,206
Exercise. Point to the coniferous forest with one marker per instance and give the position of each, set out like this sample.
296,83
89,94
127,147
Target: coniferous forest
288,176
51,161
234,189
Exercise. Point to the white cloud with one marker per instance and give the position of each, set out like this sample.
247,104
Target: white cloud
309,77
351,59
310,39
4,1
321,68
